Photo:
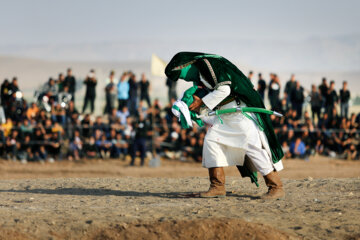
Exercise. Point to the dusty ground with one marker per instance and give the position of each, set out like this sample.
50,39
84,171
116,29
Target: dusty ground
110,201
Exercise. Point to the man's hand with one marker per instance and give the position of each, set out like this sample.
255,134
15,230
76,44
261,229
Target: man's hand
195,106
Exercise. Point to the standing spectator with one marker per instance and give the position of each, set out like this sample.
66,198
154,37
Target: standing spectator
123,91
297,98
331,99
251,74
323,87
144,90
51,89
90,94
290,86
261,86
60,82
171,89
14,86
274,91
5,87
110,93
141,132
344,100
315,101
133,95
71,83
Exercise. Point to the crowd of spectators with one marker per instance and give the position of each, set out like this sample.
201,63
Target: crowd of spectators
319,128
51,128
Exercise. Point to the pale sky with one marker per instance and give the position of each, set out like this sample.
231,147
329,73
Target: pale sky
24,22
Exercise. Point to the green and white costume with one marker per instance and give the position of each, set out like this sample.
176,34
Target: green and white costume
235,137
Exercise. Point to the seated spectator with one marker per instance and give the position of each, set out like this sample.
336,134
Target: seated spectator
351,153
39,144
13,145
119,147
76,146
58,114
104,147
123,114
90,149
298,149
25,152
86,126
64,97
32,111
54,147
26,127
7,127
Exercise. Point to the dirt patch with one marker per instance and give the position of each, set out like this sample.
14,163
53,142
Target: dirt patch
75,208
191,229
317,167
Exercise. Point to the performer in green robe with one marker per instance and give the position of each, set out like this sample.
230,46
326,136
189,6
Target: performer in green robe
234,139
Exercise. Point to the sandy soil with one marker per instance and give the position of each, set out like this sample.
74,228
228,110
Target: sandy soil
110,201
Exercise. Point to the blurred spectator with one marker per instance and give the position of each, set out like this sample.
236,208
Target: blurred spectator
297,98
90,149
32,111
119,146
144,90
133,95
123,114
171,89
104,147
60,82
64,97
298,148
250,75
316,101
5,94
71,83
323,87
331,99
261,86
110,94
58,114
51,89
141,129
274,91
290,87
90,93
344,100
76,146
123,91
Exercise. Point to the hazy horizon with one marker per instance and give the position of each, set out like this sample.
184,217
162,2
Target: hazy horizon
277,36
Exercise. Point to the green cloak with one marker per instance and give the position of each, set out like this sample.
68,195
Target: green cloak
219,71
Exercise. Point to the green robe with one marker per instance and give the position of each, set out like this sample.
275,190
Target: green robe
218,71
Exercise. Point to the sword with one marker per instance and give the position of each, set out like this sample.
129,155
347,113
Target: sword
245,109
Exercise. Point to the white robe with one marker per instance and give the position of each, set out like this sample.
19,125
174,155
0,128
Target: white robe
227,143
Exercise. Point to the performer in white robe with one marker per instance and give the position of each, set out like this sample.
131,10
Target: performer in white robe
227,142
235,139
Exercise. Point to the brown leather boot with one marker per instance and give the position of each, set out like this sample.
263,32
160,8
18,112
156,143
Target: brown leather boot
273,182
217,184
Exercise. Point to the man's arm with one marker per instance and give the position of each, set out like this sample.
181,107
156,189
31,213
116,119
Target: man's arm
212,99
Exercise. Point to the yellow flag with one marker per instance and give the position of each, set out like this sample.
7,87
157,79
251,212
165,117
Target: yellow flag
157,66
